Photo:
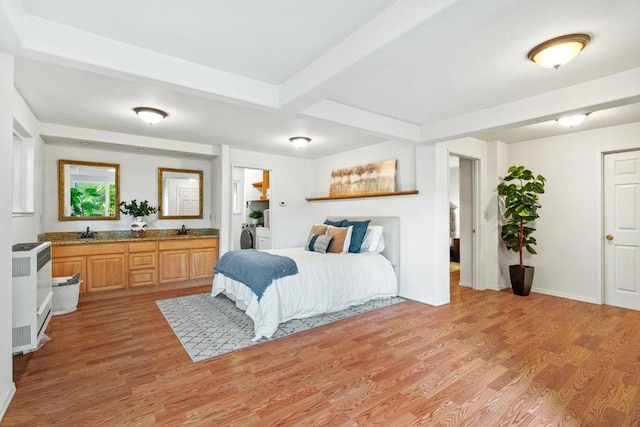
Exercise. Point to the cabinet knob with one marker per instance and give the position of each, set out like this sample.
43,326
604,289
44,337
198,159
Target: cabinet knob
609,237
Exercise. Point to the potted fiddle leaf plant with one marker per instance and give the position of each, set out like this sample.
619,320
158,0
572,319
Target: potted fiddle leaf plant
520,190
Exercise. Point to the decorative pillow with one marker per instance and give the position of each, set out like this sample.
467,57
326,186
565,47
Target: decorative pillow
341,239
317,229
335,223
359,230
380,246
318,243
372,238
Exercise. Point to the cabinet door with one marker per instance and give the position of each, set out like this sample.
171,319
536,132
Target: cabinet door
105,272
174,266
63,267
202,262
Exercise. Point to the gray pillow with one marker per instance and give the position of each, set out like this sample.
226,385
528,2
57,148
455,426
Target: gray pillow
318,243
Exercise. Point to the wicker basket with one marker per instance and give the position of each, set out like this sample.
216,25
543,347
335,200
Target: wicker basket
65,298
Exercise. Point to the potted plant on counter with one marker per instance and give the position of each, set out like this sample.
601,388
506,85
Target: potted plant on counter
520,189
138,212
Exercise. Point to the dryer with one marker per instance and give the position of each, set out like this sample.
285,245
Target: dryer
248,236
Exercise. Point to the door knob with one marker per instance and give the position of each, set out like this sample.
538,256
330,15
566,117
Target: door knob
609,237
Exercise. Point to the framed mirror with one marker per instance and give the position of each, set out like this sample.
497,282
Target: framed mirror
88,190
179,193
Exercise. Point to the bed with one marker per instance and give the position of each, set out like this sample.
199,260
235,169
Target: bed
326,282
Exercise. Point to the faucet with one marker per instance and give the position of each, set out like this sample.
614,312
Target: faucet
87,234
183,231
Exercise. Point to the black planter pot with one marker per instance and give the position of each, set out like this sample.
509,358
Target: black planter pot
521,279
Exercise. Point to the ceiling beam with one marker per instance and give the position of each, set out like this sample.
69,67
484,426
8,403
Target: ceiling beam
64,45
611,91
11,26
117,139
309,85
373,124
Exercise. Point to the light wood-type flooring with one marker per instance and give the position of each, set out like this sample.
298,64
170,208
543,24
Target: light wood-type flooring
487,359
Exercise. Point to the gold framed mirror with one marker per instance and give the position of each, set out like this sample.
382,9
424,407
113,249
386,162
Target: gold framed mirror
88,190
179,193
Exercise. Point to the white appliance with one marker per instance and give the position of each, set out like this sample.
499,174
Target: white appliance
263,238
32,294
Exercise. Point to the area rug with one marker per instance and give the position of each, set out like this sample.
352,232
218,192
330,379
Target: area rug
210,326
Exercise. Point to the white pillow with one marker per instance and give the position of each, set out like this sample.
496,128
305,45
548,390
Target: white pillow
372,239
380,246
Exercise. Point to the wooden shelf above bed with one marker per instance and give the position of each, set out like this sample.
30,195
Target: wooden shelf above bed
362,196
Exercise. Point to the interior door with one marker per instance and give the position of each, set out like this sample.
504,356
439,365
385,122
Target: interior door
622,229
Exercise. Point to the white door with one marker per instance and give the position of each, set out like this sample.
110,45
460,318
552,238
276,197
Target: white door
622,229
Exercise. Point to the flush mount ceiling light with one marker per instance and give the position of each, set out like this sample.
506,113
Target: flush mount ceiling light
571,121
150,116
556,52
300,141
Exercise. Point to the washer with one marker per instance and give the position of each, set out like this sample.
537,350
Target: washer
248,236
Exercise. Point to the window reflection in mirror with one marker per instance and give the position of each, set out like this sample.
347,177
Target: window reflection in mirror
88,190
179,193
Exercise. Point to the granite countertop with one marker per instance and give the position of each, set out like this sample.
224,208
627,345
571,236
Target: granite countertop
73,238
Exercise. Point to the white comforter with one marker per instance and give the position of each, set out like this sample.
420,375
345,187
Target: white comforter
324,283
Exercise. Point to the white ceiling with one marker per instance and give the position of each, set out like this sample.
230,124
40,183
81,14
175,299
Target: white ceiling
347,74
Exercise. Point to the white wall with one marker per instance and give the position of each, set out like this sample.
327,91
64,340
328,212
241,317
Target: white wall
7,388
569,230
417,244
26,228
138,180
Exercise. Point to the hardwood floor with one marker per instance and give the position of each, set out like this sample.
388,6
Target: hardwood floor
487,359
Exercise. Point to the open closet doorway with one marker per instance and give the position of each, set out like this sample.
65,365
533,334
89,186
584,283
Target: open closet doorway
251,216
462,220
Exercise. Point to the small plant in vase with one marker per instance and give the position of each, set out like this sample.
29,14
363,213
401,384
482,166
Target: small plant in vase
255,216
138,211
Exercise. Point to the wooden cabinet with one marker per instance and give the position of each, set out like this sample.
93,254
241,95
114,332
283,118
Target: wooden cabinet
102,266
174,266
68,266
186,259
106,272
106,266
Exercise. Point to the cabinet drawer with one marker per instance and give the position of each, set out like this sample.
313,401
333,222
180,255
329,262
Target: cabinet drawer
142,278
142,247
142,260
187,244
88,249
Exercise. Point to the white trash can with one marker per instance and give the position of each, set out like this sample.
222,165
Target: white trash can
65,298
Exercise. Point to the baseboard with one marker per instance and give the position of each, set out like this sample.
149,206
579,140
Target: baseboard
563,295
7,400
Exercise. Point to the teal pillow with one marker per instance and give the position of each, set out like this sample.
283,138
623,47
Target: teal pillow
335,223
357,235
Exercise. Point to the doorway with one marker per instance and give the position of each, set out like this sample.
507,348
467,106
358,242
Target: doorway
462,219
250,192
621,209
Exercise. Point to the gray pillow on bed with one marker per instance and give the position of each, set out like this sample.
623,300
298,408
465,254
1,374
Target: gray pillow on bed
318,243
